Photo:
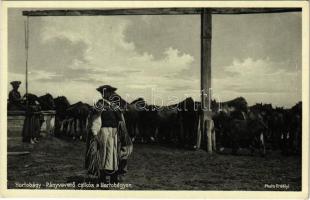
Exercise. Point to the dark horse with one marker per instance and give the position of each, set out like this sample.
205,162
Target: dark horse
32,100
47,102
80,113
168,124
61,105
238,103
147,120
188,115
131,115
236,127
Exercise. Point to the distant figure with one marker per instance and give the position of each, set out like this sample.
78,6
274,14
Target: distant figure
33,120
15,99
110,145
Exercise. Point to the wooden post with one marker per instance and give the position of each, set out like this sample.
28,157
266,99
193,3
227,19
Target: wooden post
26,58
206,36
198,140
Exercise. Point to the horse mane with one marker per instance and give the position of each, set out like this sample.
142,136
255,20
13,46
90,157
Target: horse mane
187,104
138,100
62,100
169,107
75,104
31,96
239,103
46,95
47,101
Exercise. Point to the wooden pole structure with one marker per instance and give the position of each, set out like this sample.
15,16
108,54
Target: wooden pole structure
155,11
26,57
206,37
205,122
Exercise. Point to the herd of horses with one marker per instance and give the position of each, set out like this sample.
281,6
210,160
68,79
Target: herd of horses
236,125
260,126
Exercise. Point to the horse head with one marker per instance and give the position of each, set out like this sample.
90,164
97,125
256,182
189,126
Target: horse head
32,99
47,102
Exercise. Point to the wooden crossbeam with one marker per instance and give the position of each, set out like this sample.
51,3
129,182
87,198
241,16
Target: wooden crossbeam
253,10
156,11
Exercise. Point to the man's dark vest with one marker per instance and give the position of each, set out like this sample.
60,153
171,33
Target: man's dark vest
110,118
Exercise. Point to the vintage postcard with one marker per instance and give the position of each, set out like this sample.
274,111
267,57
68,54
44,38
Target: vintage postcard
155,99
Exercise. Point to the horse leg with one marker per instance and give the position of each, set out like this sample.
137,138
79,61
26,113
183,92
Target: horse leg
156,133
52,125
58,127
213,136
137,132
262,143
78,127
234,146
133,129
83,128
181,136
67,127
72,131
142,134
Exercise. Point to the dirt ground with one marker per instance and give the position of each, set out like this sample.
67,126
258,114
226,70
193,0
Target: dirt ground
155,167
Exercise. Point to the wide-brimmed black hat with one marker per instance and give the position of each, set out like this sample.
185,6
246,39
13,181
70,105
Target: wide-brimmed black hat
15,83
108,88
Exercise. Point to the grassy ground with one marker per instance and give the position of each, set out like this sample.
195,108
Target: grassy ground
155,167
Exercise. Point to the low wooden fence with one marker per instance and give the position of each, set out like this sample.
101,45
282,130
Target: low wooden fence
16,121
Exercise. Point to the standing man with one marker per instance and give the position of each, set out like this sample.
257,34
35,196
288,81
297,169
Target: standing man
111,145
33,119
15,100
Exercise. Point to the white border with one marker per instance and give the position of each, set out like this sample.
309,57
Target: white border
151,194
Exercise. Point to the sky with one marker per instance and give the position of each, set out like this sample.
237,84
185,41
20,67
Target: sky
256,56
